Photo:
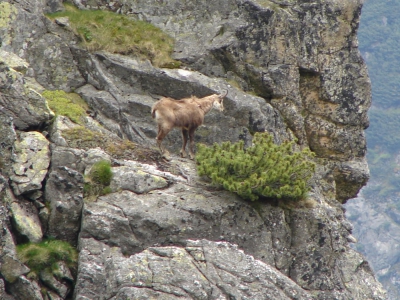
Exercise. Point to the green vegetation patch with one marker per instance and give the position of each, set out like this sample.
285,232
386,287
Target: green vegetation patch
115,33
101,172
121,149
39,256
262,170
84,138
99,179
70,105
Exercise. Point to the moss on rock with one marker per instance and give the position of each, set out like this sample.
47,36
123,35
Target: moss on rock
70,105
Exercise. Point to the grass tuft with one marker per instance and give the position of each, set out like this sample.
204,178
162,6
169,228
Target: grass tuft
98,180
39,256
101,172
115,33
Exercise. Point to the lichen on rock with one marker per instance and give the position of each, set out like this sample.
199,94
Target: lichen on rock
138,181
8,14
31,162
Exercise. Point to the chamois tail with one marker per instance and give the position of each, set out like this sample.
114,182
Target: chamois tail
153,112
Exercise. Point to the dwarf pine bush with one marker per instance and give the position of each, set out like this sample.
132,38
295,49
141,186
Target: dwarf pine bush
263,170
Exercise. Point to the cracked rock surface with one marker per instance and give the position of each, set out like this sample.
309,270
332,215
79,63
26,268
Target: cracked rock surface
199,269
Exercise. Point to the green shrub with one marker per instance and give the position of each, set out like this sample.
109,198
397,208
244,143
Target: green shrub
70,105
99,179
39,256
116,33
101,172
262,170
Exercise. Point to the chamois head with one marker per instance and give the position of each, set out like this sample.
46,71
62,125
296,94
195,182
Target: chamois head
218,103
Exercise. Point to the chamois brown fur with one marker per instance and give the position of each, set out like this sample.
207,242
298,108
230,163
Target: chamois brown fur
187,114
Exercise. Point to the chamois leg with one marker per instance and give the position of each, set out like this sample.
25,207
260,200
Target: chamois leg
191,143
184,142
162,133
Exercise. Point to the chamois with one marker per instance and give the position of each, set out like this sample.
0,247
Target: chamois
187,114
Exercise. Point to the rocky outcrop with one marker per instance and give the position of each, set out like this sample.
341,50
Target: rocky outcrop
128,114
290,68
200,269
270,234
281,51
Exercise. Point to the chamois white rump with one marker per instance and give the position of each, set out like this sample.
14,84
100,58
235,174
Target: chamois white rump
187,114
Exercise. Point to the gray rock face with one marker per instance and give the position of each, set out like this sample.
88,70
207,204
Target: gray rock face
291,68
24,288
12,269
135,180
292,242
20,99
131,109
47,277
8,137
26,221
55,69
31,162
64,193
198,270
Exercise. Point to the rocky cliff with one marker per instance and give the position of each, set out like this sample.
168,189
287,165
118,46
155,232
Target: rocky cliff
291,68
